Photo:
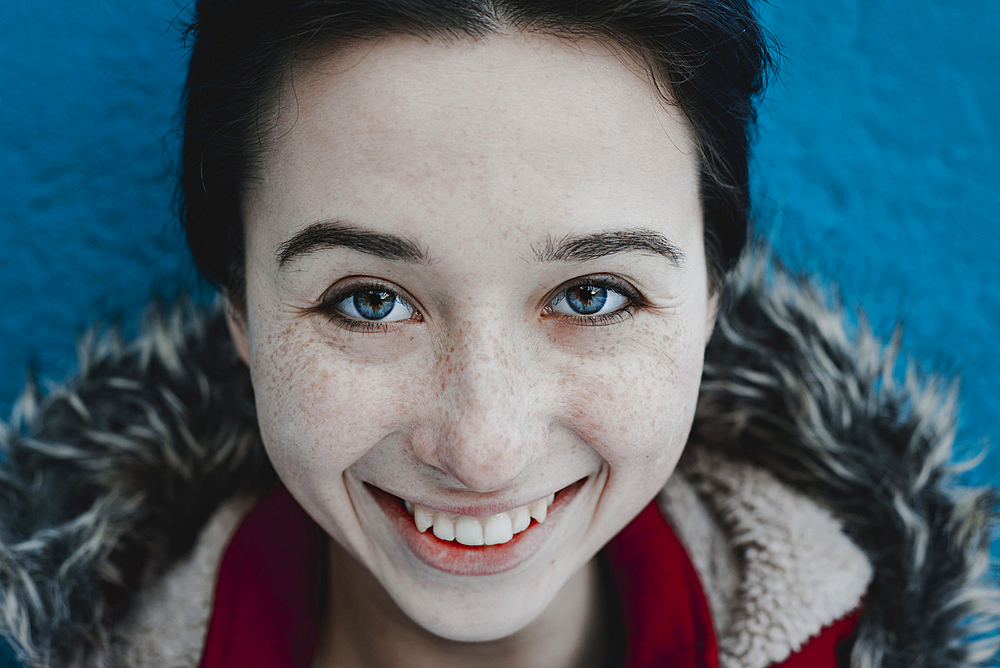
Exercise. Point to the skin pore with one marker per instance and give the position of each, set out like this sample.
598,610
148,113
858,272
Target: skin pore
475,278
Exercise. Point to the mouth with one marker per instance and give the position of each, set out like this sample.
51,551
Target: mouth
472,531
465,544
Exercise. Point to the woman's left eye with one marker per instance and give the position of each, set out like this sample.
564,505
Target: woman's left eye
590,301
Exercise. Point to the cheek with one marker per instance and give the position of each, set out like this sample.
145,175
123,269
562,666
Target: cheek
637,405
320,411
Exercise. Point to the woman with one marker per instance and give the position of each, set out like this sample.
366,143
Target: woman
472,256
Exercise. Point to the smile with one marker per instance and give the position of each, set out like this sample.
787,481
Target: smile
474,543
495,529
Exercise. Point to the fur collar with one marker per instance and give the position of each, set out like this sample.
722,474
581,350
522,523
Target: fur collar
109,479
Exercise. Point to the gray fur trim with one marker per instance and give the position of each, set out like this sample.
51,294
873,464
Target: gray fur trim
109,479
788,387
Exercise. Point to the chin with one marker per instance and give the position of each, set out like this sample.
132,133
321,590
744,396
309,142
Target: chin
483,616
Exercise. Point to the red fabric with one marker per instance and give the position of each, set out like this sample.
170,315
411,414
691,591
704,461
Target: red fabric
666,615
267,596
820,651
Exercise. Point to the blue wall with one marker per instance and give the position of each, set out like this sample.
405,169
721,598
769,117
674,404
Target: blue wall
88,92
878,163
877,168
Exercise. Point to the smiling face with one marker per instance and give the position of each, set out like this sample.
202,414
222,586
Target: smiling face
475,279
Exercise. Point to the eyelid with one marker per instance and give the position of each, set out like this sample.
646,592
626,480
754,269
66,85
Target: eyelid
328,303
607,281
336,293
345,287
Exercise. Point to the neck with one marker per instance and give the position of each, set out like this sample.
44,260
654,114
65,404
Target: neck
362,627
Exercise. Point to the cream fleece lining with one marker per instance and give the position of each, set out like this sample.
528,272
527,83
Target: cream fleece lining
169,621
798,571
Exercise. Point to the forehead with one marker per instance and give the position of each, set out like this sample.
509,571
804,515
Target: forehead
432,124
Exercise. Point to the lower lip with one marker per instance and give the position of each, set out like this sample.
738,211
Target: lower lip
457,559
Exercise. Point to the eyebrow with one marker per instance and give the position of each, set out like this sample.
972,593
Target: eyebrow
338,234
603,244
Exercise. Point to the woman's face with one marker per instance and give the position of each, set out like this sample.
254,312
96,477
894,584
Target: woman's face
475,279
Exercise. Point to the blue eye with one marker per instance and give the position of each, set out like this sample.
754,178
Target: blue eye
375,305
588,300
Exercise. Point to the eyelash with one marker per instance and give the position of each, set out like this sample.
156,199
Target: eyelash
363,326
328,306
611,283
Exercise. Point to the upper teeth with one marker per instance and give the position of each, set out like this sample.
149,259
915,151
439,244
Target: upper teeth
468,530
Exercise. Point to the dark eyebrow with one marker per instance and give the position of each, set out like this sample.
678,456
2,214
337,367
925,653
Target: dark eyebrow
602,244
334,234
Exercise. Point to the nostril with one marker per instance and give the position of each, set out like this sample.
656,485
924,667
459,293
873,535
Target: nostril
483,443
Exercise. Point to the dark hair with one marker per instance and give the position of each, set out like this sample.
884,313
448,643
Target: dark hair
711,56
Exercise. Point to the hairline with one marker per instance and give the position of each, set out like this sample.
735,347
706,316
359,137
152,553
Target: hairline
323,45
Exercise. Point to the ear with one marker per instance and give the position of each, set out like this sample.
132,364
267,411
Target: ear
711,314
236,320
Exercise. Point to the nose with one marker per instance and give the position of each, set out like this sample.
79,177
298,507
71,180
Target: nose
486,425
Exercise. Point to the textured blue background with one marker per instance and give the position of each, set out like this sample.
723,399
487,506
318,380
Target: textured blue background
877,168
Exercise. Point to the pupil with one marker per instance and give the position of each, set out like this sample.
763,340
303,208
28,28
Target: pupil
374,305
587,299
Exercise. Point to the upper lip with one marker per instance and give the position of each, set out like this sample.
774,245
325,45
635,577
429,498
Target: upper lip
483,509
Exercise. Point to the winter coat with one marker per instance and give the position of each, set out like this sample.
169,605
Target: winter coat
812,481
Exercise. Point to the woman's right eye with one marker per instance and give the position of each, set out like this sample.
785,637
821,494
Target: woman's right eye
374,305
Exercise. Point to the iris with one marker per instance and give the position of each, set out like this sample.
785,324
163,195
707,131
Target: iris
587,299
374,304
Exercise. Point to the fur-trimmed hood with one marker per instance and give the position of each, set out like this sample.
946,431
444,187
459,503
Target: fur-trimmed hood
109,479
